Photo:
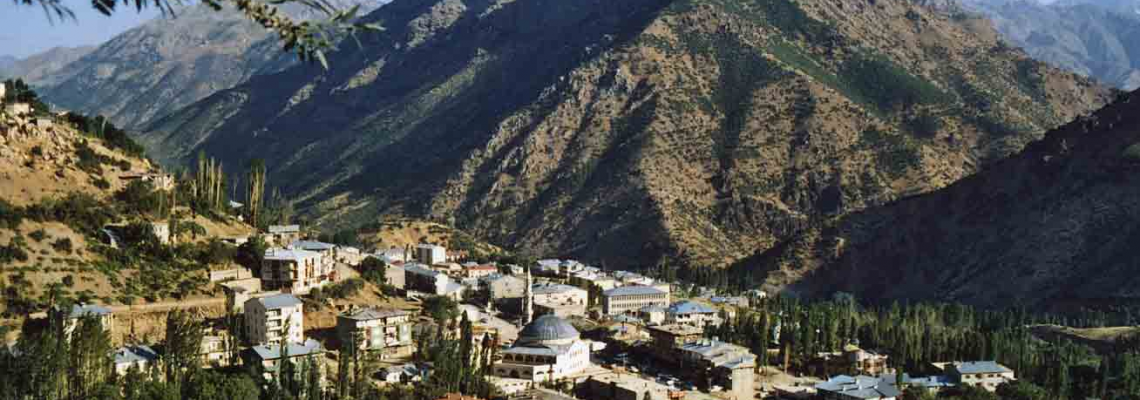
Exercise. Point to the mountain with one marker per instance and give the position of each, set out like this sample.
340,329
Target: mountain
168,63
42,68
1056,224
627,131
1092,38
7,61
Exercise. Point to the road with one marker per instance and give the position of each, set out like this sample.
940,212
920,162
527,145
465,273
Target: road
155,307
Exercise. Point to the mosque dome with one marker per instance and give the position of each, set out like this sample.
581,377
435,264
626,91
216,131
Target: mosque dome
547,328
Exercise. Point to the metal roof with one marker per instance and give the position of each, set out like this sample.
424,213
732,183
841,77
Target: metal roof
690,307
420,269
553,289
312,245
861,387
298,255
369,313
132,354
273,352
981,367
284,228
632,290
278,301
82,310
547,327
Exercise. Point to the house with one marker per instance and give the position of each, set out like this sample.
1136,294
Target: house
547,268
506,287
392,255
431,254
586,279
44,123
407,373
632,298
274,320
720,363
270,357
214,351
477,271
623,387
239,291
158,180
691,313
419,278
3,92
737,301
295,271
652,315
138,357
560,300
18,109
70,318
282,234
387,332
852,360
860,387
667,339
394,274
982,374
348,255
326,250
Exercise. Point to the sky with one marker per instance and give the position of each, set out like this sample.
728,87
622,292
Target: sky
26,30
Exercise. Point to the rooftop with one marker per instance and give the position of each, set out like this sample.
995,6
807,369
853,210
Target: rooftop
369,313
652,309
284,228
278,301
980,367
420,269
678,330
633,290
312,245
83,310
861,387
690,307
547,327
554,289
273,352
281,254
133,354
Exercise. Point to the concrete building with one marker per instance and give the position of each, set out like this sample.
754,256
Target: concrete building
560,300
477,271
270,357
396,276
851,361
274,319
139,357
295,271
18,109
668,338
861,387
431,254
982,374
652,315
71,317
214,352
419,278
506,287
623,387
691,313
627,299
548,349
722,364
326,250
387,332
239,291
279,235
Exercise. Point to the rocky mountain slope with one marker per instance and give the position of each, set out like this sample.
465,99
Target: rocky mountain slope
165,64
1054,225
43,68
1092,38
627,131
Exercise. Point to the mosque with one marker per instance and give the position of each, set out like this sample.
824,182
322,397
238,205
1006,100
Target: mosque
548,349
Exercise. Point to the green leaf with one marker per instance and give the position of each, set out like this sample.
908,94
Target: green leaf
321,57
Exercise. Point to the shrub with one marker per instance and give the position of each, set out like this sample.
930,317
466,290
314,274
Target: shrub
101,183
37,151
925,124
38,235
441,308
62,245
69,281
1132,152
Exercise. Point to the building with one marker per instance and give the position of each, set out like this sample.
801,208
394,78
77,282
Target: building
548,349
861,387
158,180
161,231
326,250
588,278
632,298
295,271
736,301
419,278
395,275
477,271
560,300
691,313
431,254
458,396
70,319
623,387
3,92
668,338
44,122
239,291
18,109
274,319
506,287
982,374
387,332
652,315
270,357
407,373
282,234
392,254
139,357
215,352
851,361
721,364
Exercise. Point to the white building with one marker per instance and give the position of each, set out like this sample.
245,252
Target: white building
270,357
431,254
138,357
983,374
295,271
548,349
560,300
274,319
691,313
632,298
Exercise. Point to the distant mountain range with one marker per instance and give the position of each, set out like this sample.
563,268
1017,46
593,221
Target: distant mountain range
1096,38
1053,226
633,131
165,64
42,68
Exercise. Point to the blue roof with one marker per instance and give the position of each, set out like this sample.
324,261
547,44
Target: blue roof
632,290
79,311
132,354
552,289
861,387
273,352
981,367
279,301
690,307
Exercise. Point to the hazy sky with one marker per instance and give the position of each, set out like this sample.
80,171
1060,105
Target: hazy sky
25,30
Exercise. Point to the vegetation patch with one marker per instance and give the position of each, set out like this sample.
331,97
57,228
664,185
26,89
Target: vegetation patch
887,86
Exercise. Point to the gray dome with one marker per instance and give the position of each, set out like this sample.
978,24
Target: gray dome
546,328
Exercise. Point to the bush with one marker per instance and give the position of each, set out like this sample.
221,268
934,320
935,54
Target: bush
69,281
345,289
887,86
37,151
62,245
925,125
38,235
101,183
441,308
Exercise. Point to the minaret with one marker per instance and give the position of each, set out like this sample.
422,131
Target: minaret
528,299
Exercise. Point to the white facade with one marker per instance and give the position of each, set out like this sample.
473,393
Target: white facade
548,349
431,254
274,319
295,271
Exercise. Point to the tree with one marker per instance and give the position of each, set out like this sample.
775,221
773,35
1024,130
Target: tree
89,363
441,308
256,189
183,342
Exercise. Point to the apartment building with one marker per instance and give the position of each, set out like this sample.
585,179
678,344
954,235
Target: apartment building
274,319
